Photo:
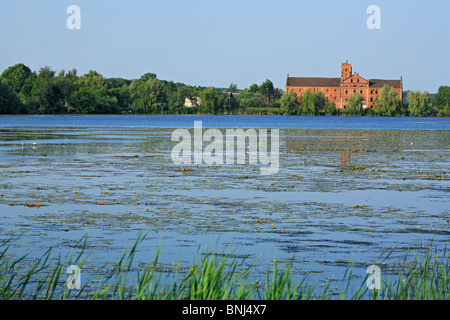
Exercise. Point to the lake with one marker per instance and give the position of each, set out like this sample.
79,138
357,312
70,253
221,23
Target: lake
347,189
231,121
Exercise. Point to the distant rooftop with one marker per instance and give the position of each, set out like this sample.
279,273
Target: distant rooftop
335,82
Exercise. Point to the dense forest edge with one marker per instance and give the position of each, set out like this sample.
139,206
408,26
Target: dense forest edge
23,91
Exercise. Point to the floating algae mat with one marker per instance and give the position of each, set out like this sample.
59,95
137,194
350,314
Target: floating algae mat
340,195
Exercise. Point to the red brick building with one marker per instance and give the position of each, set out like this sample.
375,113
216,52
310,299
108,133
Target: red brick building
340,89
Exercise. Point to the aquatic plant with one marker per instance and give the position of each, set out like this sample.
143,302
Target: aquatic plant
216,277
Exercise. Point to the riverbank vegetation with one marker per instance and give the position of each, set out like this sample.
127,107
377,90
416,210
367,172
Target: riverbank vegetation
23,91
217,276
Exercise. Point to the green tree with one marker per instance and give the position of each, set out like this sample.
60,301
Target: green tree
65,81
82,101
419,103
388,102
9,101
354,105
46,96
232,88
308,103
104,102
175,102
289,103
330,108
248,99
92,80
230,102
254,88
442,97
208,99
92,93
16,76
148,76
123,97
114,83
25,93
147,96
319,101
169,88
266,91
224,103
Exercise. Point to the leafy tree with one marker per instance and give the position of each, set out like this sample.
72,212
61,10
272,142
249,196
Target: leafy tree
354,105
208,99
442,97
224,103
16,76
91,94
289,103
148,76
147,96
9,102
266,91
319,101
66,82
419,103
254,88
277,93
82,101
92,80
175,102
25,92
229,102
169,88
104,102
388,102
330,108
114,83
232,88
369,112
123,97
46,73
308,103
46,96
248,99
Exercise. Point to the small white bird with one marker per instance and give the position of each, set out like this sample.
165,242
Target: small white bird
34,143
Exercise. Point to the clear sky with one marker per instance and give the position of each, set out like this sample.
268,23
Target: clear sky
215,43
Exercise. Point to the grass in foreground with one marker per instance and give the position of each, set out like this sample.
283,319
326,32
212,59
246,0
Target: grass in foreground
215,277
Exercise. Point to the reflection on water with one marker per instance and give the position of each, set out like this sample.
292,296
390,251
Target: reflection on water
339,195
345,157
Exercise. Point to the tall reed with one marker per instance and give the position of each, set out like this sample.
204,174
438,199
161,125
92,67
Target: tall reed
216,276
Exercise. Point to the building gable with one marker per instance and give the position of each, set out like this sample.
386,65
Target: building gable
355,79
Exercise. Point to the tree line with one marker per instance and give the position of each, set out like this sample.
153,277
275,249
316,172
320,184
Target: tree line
416,104
47,92
23,91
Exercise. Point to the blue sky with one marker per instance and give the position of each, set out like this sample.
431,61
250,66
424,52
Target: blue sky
216,43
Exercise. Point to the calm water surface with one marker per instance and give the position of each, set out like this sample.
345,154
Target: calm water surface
342,192
250,121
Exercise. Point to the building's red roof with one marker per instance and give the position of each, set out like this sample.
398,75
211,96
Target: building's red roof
313,82
336,82
378,83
